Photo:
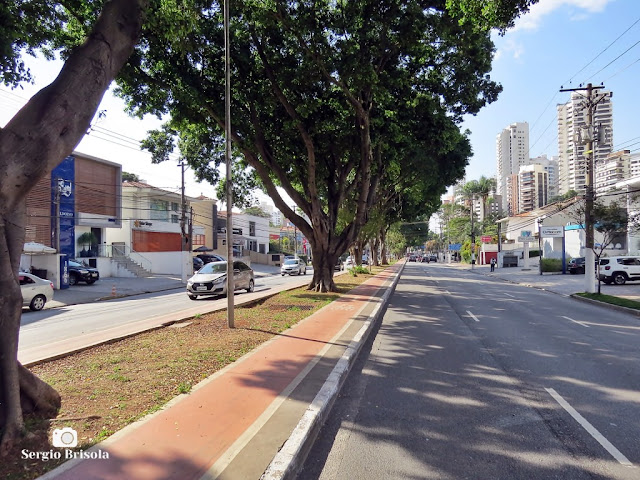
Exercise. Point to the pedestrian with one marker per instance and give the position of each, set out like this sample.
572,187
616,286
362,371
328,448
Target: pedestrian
493,264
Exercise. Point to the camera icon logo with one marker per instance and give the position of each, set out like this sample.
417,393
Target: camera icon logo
65,437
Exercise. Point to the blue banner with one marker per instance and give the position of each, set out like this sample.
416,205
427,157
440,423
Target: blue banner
63,192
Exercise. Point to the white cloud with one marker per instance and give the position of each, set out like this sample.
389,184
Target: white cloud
509,48
533,19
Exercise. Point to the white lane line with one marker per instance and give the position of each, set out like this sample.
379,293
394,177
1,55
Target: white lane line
509,295
447,292
473,316
576,321
615,453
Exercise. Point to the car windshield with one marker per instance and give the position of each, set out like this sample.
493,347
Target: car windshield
214,267
75,264
291,262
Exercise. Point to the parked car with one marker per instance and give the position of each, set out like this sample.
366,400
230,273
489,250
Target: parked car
197,264
211,279
425,259
36,291
349,263
79,272
619,270
293,265
339,265
433,258
210,257
576,265
412,258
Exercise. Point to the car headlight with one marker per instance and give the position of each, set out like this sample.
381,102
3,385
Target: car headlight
83,272
220,280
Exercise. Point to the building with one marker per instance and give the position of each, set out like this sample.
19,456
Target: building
551,168
533,187
572,135
512,152
151,233
80,195
615,168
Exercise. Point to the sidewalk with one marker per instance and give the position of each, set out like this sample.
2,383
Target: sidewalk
234,423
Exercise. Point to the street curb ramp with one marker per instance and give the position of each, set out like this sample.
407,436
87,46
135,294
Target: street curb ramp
291,457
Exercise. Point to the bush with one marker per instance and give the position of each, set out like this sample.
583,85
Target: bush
534,253
551,264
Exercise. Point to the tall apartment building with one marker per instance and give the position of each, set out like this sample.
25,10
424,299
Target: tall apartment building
550,166
572,117
616,167
533,187
512,152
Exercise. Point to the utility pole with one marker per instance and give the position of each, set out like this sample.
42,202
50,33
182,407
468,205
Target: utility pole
473,238
227,155
183,228
587,135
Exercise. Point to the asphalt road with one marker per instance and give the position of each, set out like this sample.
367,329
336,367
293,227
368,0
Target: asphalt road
472,378
55,329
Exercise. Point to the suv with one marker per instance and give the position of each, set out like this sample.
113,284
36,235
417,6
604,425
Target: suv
619,270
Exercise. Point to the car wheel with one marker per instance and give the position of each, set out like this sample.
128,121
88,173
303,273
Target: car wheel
251,286
192,297
91,282
607,281
304,272
572,272
37,303
73,279
283,274
619,278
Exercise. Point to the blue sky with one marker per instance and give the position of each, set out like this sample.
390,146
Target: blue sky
543,52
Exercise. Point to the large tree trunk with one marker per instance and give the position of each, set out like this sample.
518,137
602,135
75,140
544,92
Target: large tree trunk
383,254
38,138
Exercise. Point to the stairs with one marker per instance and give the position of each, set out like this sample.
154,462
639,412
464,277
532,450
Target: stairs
125,262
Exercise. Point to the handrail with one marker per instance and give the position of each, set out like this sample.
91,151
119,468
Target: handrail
124,250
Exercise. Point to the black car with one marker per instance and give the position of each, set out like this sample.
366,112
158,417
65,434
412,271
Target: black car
576,265
210,257
339,265
197,264
433,258
79,272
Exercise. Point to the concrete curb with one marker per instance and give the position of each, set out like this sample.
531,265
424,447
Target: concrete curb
607,305
288,461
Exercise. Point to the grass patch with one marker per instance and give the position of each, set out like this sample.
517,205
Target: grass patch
110,386
621,302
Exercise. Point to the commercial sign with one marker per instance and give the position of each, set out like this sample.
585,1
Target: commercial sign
553,232
526,239
63,193
486,239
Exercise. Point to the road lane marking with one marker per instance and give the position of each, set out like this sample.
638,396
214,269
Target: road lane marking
615,453
473,316
509,295
576,321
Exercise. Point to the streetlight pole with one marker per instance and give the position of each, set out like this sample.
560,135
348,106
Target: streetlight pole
227,154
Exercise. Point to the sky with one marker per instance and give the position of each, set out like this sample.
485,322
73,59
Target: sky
555,45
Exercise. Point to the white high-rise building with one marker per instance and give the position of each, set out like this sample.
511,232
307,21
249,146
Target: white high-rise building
512,152
572,116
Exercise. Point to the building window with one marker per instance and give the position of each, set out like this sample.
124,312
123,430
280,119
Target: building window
252,229
175,218
175,207
158,210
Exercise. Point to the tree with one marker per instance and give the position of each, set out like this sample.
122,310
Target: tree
323,93
34,141
256,211
484,188
130,177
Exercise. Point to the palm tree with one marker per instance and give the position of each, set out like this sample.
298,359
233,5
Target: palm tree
485,187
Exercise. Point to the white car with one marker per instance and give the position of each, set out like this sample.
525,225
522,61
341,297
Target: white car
36,291
293,265
212,279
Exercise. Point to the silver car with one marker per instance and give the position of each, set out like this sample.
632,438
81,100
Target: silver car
212,279
36,291
293,265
